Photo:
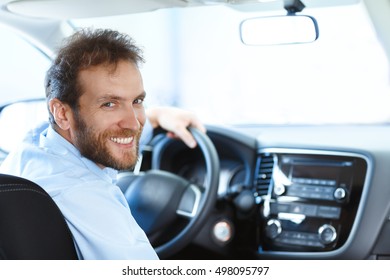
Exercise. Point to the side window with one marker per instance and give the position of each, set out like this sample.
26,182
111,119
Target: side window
22,71
22,68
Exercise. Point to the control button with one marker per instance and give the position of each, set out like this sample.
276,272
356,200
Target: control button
327,234
279,189
277,208
299,239
273,229
330,212
223,231
340,193
312,192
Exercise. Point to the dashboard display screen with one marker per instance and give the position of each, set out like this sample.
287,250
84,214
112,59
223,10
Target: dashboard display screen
313,171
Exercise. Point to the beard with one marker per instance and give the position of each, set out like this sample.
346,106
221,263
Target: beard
93,145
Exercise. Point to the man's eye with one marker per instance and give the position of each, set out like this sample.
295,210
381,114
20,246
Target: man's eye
108,104
139,101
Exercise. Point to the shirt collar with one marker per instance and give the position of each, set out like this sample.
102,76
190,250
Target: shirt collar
53,142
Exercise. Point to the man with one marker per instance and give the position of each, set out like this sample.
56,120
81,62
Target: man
95,98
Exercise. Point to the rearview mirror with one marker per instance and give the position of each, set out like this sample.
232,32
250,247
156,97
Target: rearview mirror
279,30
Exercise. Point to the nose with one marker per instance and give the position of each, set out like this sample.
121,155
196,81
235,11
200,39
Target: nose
131,118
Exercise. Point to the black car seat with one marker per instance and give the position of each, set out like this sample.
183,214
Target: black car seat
31,225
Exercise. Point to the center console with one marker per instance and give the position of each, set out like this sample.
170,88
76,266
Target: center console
308,200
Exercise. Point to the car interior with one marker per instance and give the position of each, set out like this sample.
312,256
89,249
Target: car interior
252,189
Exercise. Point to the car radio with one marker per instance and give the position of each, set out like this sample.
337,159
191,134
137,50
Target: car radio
311,201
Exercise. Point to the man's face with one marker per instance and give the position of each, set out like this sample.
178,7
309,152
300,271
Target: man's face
111,115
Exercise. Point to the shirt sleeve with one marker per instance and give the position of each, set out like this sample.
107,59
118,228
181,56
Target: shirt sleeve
102,225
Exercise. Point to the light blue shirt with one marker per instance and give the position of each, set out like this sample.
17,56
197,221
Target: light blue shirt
95,209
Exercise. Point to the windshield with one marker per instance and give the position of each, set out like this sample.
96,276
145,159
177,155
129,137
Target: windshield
196,60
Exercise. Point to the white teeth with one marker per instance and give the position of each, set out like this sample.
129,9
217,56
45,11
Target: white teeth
122,140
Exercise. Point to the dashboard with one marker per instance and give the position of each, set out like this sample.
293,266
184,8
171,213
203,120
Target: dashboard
310,198
293,192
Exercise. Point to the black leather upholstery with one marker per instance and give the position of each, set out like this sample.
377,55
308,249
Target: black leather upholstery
31,224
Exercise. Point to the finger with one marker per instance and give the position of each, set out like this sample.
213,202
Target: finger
198,124
185,136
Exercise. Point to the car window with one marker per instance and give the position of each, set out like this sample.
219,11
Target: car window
195,60
22,70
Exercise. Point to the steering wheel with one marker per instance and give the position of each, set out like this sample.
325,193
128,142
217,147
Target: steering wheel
158,198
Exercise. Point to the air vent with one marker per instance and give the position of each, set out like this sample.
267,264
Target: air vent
263,176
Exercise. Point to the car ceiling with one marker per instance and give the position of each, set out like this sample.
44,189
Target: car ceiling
26,15
65,9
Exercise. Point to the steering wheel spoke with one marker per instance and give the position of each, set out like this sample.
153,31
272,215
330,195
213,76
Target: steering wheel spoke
190,202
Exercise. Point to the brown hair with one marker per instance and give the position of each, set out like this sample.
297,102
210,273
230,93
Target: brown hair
84,49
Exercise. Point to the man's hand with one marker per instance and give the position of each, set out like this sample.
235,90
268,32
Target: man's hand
175,121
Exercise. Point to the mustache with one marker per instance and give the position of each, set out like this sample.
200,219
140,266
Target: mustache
124,133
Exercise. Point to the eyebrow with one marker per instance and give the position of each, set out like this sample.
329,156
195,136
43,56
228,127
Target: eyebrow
118,98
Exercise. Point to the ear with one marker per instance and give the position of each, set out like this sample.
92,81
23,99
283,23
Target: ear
61,112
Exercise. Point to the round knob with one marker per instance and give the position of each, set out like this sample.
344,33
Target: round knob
340,193
245,201
327,234
274,228
279,189
223,231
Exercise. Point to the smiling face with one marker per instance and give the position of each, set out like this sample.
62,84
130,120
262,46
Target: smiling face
108,123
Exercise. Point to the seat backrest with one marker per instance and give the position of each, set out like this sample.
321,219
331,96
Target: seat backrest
31,224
